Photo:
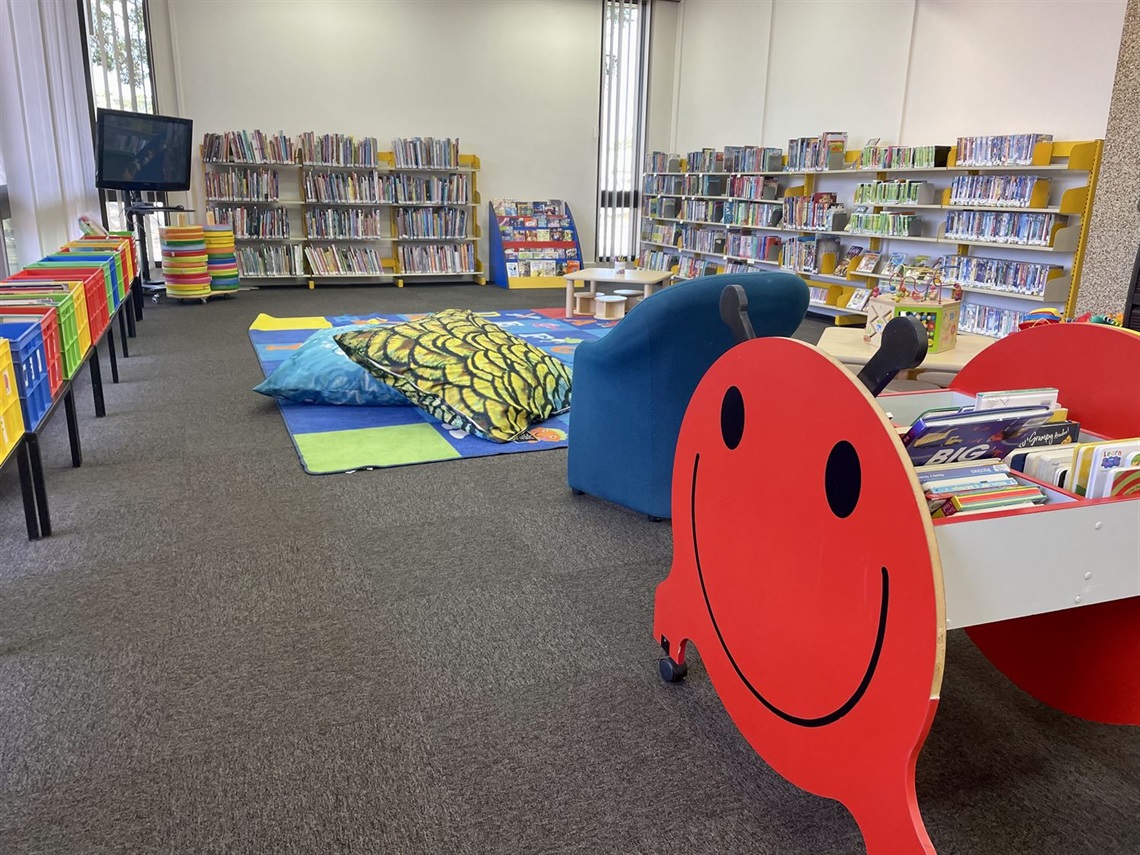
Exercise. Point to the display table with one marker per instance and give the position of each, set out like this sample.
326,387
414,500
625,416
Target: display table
648,280
846,344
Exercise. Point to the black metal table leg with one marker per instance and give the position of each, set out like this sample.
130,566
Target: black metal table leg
129,311
97,384
28,491
111,351
73,428
123,330
33,443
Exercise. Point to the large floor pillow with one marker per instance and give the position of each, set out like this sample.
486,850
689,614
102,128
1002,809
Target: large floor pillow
466,371
318,372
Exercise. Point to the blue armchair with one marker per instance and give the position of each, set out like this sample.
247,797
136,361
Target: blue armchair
631,388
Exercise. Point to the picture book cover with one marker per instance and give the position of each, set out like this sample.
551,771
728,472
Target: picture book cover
895,261
1125,482
970,436
858,299
844,265
868,262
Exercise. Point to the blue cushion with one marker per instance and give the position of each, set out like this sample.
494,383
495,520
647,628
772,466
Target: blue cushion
319,372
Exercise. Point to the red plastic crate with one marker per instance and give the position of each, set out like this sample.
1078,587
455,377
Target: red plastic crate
53,343
98,315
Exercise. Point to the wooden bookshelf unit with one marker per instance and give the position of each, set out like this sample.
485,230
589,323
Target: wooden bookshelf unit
365,215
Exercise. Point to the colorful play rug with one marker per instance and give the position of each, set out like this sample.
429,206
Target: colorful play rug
331,439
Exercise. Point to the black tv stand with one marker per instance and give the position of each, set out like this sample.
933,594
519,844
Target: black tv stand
137,211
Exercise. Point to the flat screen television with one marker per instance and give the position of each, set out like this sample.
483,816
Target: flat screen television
141,151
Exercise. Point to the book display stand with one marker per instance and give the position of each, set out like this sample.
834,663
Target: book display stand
1012,237
820,604
533,244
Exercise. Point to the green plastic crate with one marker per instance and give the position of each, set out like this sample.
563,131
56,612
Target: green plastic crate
68,324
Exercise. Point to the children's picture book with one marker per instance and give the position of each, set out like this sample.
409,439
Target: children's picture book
858,299
844,265
970,436
1106,459
1042,397
868,263
1125,482
895,261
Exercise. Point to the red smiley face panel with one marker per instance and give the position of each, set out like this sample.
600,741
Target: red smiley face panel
804,570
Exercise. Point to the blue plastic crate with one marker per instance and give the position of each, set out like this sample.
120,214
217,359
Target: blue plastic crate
26,340
35,402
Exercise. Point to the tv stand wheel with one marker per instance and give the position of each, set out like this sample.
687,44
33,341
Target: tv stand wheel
672,672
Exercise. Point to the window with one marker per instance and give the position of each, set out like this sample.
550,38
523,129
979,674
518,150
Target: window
120,78
621,124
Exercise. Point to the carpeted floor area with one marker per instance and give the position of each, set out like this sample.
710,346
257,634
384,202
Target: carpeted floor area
217,653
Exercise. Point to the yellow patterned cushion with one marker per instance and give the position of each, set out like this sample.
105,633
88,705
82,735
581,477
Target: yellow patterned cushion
467,372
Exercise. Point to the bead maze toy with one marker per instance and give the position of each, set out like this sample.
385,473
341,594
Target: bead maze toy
825,639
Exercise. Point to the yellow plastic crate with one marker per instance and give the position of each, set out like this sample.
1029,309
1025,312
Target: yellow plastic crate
11,418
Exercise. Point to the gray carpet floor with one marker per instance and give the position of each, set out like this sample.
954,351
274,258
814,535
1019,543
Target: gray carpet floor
217,653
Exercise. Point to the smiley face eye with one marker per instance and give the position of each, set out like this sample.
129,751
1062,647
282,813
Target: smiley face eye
843,479
732,417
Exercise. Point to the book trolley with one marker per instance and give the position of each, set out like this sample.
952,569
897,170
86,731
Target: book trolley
533,244
820,598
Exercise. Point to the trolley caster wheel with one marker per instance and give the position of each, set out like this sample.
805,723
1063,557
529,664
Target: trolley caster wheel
672,672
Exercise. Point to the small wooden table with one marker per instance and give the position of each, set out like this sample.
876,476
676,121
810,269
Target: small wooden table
649,280
846,344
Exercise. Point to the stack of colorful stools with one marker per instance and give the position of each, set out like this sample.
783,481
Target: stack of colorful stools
184,262
11,416
221,258
29,359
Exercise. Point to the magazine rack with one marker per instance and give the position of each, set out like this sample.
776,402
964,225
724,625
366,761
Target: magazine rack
819,591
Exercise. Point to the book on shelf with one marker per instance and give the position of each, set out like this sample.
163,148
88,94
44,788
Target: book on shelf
894,264
429,189
247,147
242,185
258,261
752,158
344,223
858,299
1006,150
817,153
991,321
868,263
999,274
706,160
333,260
342,187
252,222
1008,227
844,265
338,150
660,161
883,223
432,222
1013,191
876,156
436,258
426,152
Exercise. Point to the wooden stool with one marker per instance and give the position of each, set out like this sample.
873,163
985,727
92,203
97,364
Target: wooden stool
609,308
584,302
632,297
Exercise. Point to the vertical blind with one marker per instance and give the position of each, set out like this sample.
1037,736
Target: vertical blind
621,125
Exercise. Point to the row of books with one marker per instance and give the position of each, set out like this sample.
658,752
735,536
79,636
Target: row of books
705,160
690,267
999,274
562,253
1001,227
543,267
1015,191
974,487
1007,150
343,187
753,187
1102,469
243,185
535,235
660,232
344,223
344,260
892,192
988,320
271,260
253,222
657,259
877,156
703,239
432,222
338,150
703,210
752,158
822,152
437,258
760,247
818,211
818,294
802,254
884,224
420,152
680,184
751,214
550,208
248,147
450,190
660,161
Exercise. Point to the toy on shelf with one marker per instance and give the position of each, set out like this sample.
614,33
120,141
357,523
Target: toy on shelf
828,651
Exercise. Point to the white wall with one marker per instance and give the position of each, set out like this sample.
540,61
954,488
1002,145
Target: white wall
517,82
664,48
909,71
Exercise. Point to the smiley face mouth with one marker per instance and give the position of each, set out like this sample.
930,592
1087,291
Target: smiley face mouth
819,721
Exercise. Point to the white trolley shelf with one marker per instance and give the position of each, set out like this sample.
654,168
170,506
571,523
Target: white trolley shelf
809,574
